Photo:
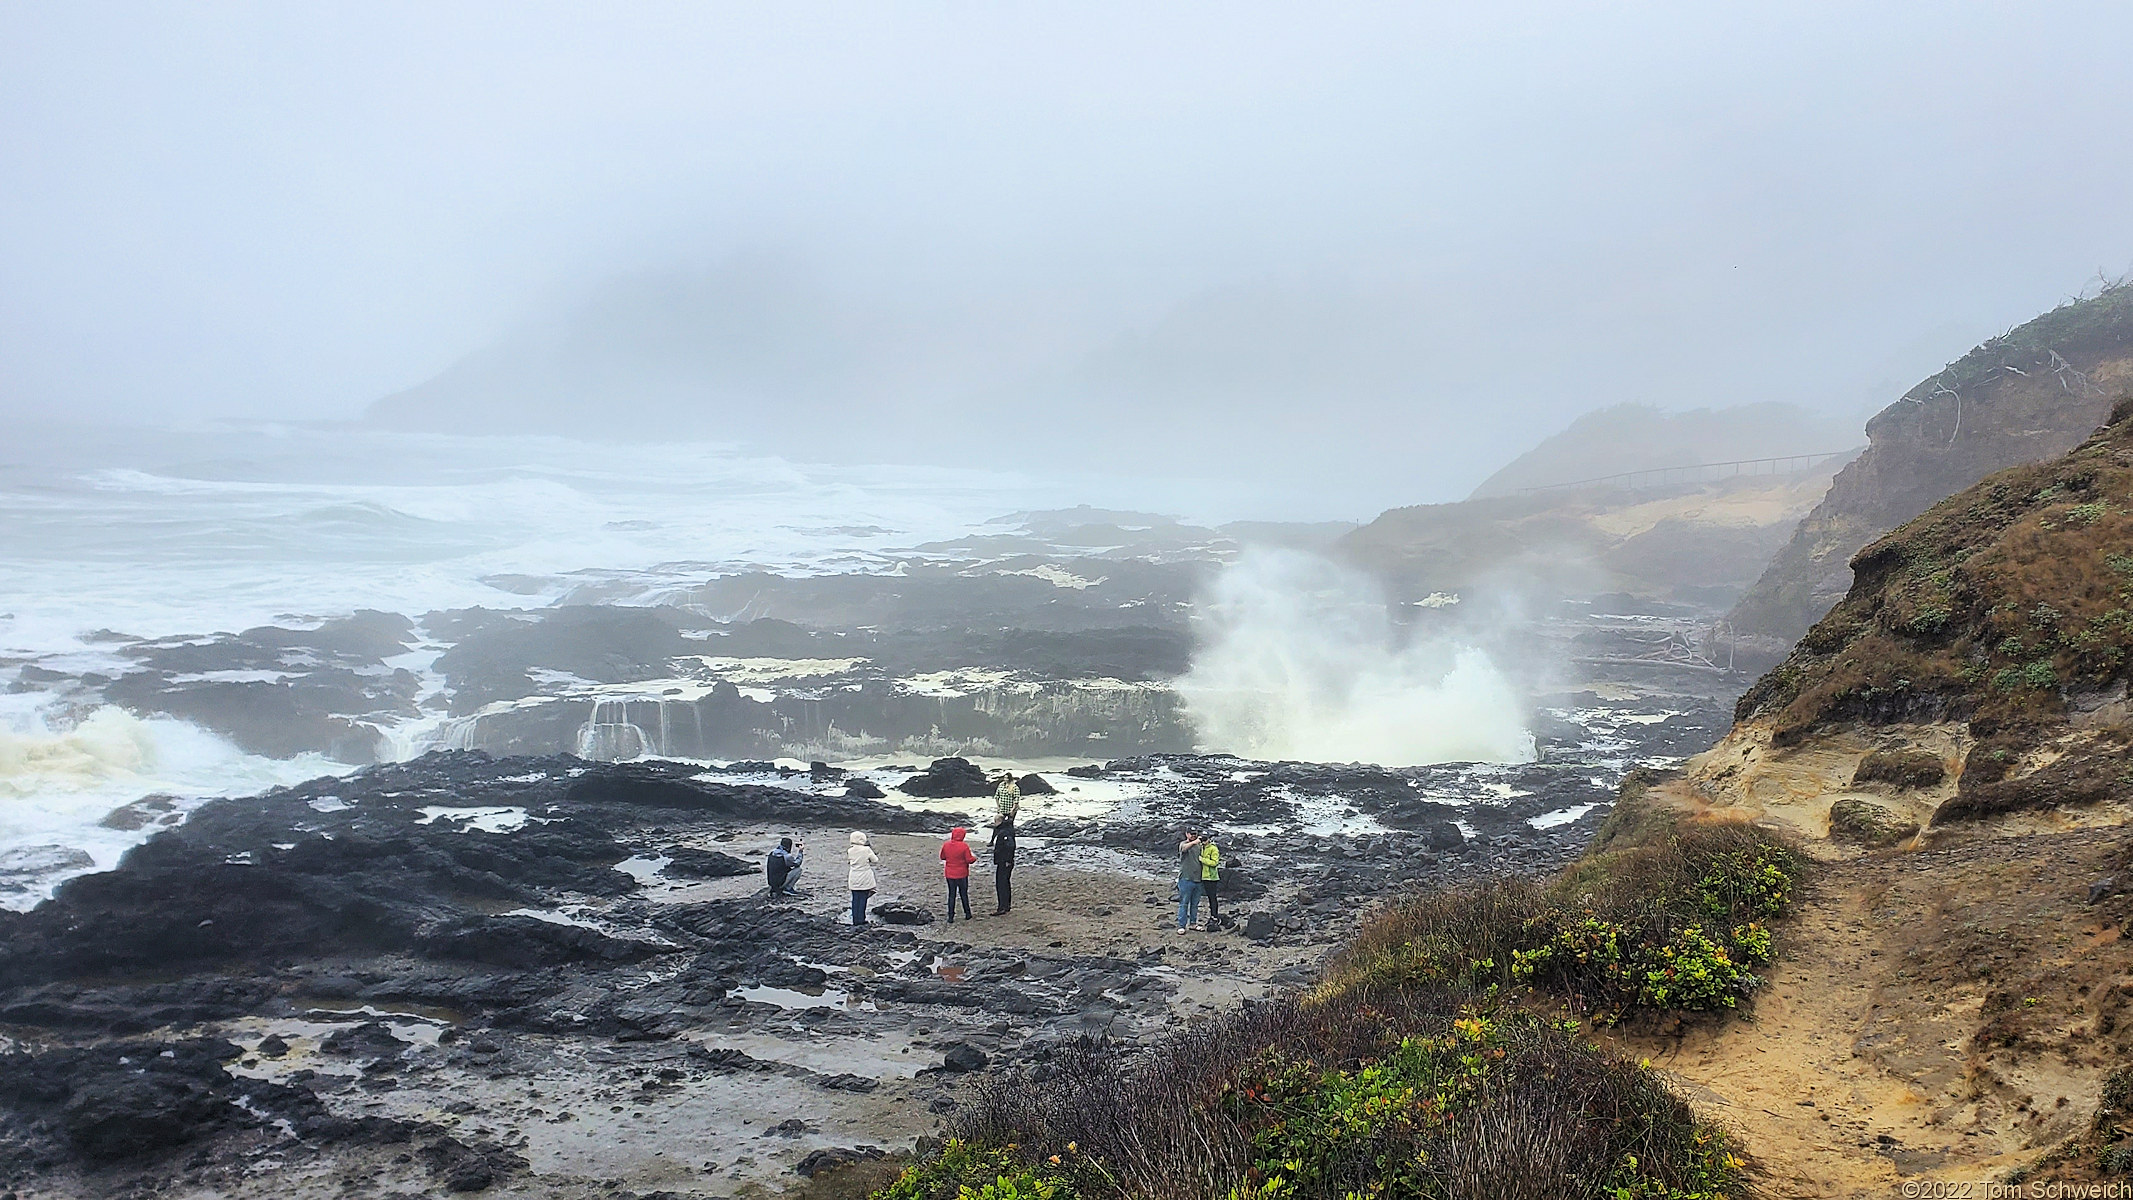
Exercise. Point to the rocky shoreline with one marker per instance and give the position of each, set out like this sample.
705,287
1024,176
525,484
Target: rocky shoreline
462,971
543,958
1060,636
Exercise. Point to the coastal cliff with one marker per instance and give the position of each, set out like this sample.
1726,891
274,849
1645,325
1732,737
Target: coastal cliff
2026,396
1952,742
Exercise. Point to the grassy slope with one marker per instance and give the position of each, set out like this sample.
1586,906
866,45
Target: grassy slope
1957,1005
2008,605
1440,1055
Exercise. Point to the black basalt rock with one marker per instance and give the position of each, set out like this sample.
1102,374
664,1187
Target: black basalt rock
523,942
948,778
463,1168
1442,835
900,912
125,1100
822,1161
687,862
132,1116
371,1039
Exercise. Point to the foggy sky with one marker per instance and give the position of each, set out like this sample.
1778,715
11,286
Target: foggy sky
1410,239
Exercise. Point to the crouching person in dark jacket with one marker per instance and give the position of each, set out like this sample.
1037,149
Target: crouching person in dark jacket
783,867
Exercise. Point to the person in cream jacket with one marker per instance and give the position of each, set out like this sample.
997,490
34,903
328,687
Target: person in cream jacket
861,877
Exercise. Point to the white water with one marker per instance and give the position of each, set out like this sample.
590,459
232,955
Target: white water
1298,660
225,528
60,781
190,532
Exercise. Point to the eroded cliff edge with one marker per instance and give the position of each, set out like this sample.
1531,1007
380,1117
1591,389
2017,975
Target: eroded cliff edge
2026,396
1953,740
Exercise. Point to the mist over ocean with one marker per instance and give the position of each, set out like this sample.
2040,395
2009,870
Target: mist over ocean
169,537
190,531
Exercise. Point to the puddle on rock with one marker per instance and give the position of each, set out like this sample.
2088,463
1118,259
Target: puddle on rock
486,820
645,870
795,998
1561,816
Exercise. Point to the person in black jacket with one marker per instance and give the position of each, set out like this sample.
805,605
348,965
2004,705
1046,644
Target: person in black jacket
783,867
1003,862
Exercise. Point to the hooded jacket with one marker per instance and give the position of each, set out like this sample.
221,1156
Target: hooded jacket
781,865
957,854
861,877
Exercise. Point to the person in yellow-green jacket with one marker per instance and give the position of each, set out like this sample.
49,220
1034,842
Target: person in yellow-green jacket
1007,799
1210,875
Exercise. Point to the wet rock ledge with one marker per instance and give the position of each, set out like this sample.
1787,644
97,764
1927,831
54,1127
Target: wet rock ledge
467,972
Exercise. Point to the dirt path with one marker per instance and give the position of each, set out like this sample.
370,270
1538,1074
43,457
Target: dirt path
1946,1013
1818,1119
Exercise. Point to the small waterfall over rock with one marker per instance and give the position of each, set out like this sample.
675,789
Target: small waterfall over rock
610,736
1100,718
406,742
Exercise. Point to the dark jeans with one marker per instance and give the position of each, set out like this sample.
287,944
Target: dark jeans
1213,893
1003,886
859,906
959,887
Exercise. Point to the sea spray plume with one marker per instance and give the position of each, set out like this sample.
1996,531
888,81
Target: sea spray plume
1298,659
64,775
106,745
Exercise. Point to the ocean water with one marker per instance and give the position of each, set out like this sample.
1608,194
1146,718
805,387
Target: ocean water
194,531
111,537
67,782
191,531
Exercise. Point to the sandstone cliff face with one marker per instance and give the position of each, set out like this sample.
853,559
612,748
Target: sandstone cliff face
1954,742
1697,544
2029,395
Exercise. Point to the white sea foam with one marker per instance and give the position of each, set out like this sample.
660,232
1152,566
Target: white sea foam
62,777
1298,660
503,819
189,532
224,529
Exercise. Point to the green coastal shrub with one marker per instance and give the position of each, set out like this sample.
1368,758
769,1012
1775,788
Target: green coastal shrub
1693,970
965,1170
1416,1067
1674,925
1430,1094
1756,880
1322,1128
1436,1115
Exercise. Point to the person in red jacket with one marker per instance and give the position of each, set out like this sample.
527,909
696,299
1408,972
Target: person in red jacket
957,856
